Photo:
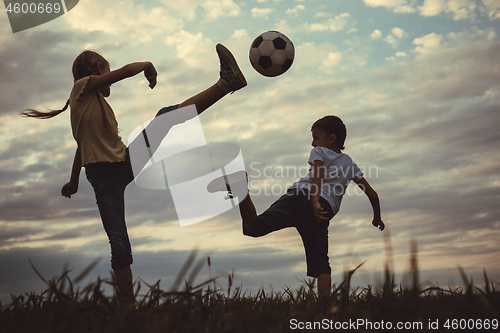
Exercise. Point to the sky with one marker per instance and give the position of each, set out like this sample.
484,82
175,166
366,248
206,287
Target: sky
416,82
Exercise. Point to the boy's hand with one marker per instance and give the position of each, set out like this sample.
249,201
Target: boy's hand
150,75
378,223
320,214
69,189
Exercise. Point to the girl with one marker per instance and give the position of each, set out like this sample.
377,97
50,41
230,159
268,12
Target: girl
103,154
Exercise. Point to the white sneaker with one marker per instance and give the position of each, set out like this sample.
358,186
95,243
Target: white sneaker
236,184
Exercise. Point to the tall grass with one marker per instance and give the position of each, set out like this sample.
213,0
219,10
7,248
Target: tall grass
207,307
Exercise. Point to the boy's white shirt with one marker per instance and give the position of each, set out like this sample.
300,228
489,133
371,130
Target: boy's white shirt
339,170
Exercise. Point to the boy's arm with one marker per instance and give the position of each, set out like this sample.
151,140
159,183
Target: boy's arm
374,201
71,187
98,82
316,182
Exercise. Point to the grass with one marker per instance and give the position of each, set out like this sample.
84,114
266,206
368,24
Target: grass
206,308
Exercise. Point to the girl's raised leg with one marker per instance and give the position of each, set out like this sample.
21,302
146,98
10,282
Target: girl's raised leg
231,79
205,99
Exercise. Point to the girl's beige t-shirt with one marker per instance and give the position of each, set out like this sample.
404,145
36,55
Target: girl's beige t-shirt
97,143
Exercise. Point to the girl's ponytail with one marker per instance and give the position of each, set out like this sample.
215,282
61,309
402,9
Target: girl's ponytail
43,115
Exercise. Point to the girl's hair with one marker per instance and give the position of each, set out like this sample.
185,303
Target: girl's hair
332,125
86,64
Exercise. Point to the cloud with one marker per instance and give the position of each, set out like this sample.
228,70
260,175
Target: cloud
398,6
492,7
191,48
295,10
399,33
219,8
460,9
39,80
124,18
322,14
427,44
261,12
333,59
432,7
337,23
393,39
376,34
206,10
323,55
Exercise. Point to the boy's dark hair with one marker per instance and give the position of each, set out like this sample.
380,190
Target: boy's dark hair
332,125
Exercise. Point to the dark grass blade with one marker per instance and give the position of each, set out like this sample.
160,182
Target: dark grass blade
195,272
470,285
87,270
63,275
184,270
38,273
414,266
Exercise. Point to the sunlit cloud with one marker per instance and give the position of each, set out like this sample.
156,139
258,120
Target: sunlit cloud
337,23
398,6
376,34
296,10
261,12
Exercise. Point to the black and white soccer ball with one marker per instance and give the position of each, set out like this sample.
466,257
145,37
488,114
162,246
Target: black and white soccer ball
272,53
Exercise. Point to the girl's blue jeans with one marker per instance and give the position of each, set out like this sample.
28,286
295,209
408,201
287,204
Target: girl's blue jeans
109,180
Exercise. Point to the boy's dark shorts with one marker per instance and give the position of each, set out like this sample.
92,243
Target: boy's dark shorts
294,209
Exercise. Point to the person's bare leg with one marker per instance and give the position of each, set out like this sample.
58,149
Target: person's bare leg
248,212
324,285
125,285
205,99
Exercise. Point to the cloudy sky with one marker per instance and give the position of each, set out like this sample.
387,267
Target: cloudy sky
416,82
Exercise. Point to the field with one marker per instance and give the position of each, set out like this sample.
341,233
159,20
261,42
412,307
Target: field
208,308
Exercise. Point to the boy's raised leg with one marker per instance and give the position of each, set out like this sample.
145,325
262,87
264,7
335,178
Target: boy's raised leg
248,212
237,185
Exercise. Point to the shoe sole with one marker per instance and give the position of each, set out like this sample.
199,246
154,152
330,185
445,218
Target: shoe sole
233,65
224,183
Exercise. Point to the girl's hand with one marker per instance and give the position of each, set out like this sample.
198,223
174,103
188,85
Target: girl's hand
150,74
69,189
378,223
320,214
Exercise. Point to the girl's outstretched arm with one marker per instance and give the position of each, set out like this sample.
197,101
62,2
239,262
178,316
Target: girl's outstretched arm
107,78
374,201
71,187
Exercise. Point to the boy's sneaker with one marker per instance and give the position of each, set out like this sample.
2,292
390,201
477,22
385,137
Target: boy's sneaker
231,77
236,184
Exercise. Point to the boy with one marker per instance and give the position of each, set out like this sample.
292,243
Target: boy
311,202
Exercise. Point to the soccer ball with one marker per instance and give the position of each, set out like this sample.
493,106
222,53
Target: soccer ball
272,53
